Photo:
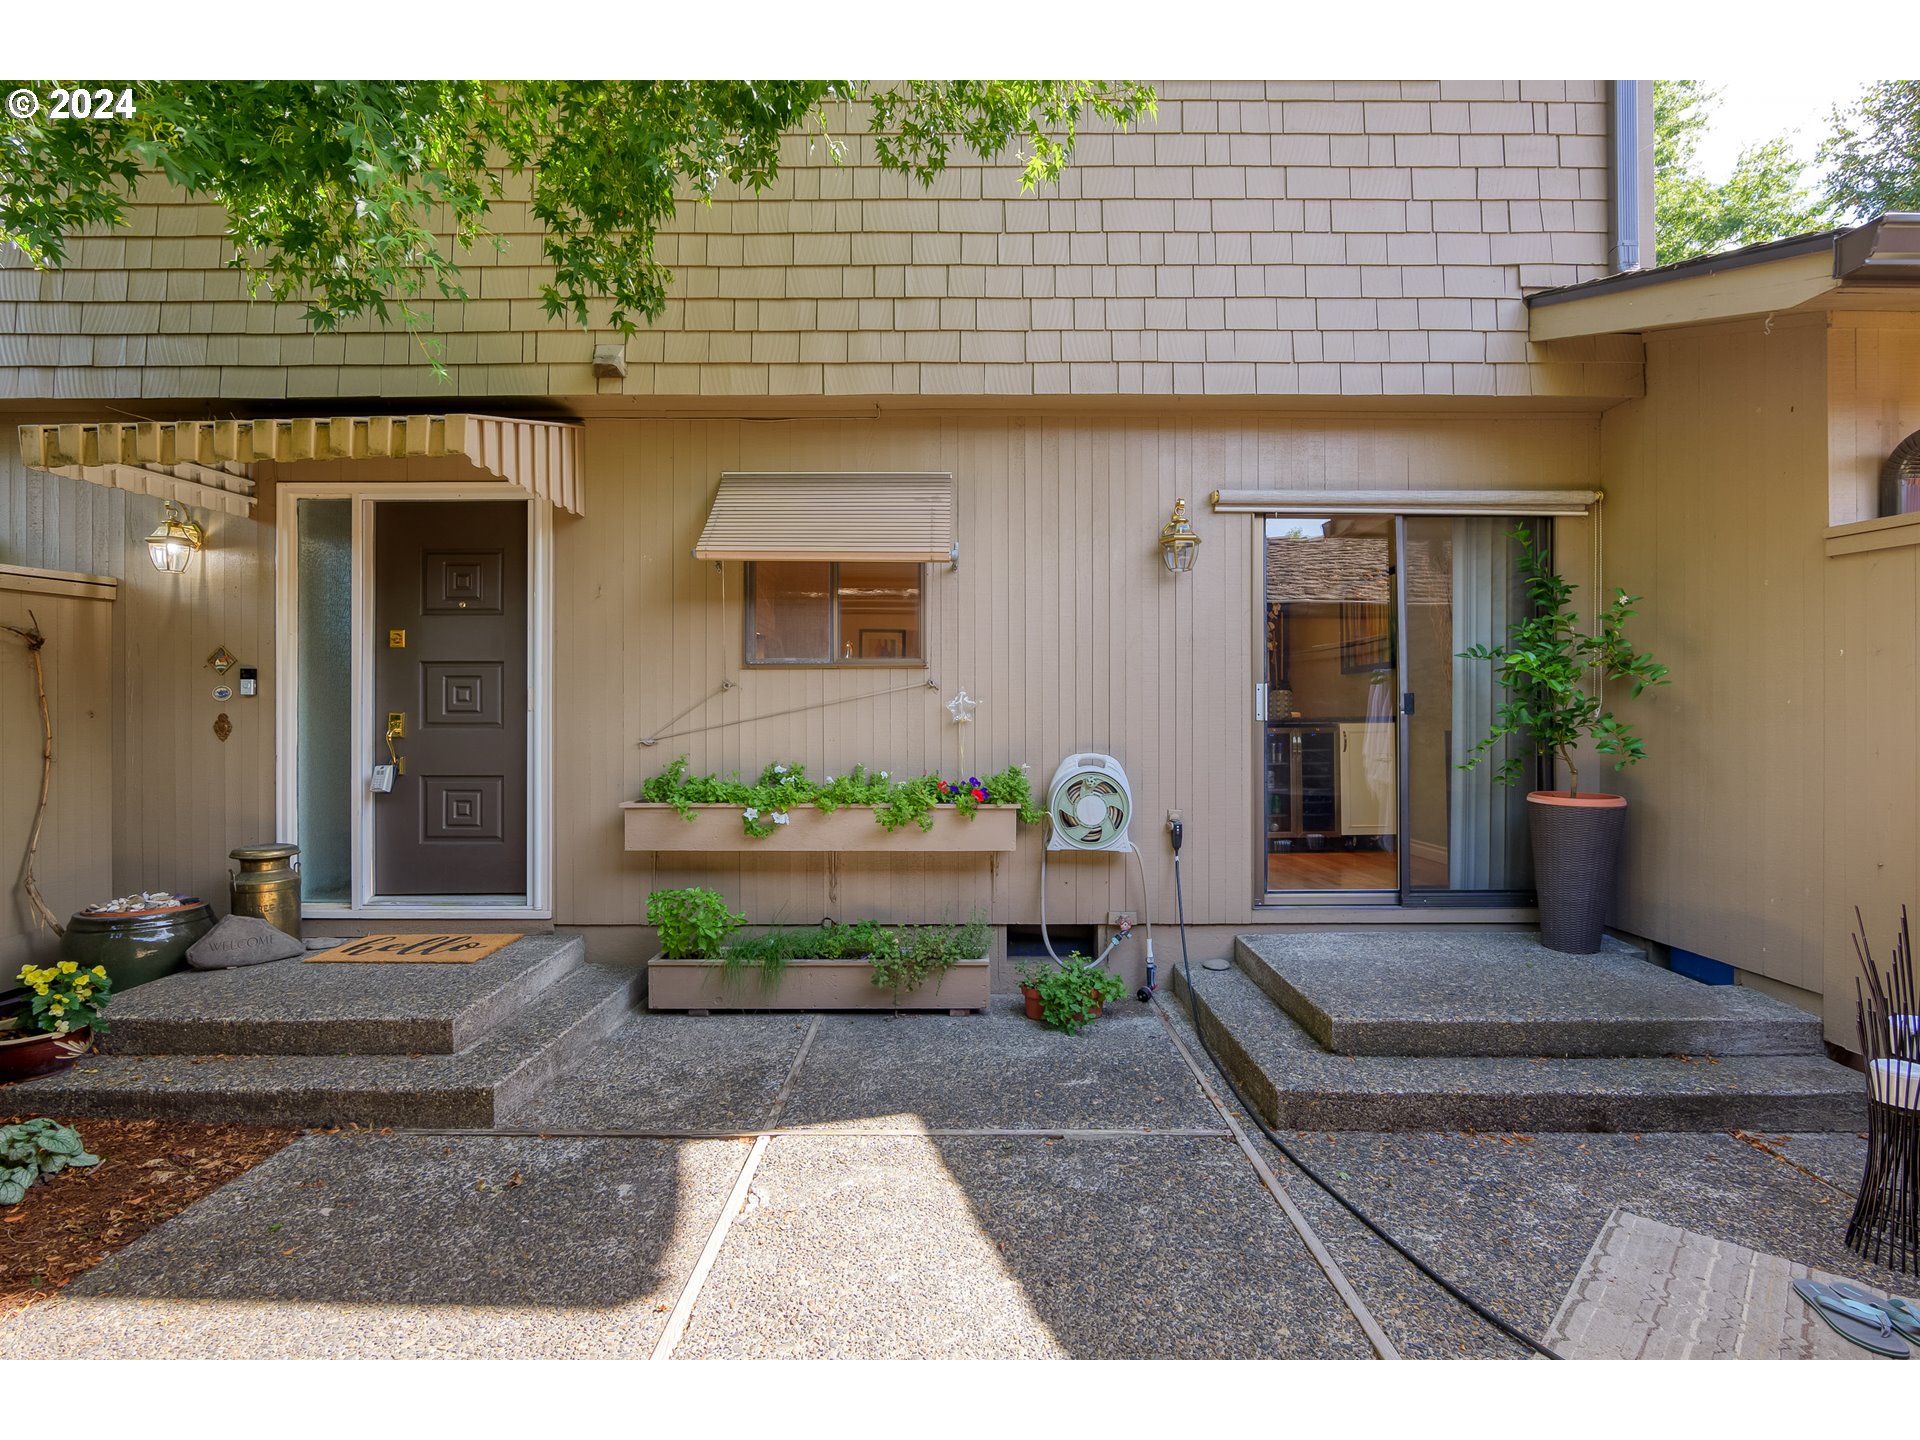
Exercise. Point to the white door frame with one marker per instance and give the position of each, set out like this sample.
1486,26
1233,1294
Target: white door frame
537,901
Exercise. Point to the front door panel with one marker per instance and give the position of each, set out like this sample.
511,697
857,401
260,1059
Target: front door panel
450,647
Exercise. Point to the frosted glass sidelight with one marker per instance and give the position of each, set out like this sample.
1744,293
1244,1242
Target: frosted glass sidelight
324,531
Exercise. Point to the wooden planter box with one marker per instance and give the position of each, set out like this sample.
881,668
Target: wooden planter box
811,985
851,827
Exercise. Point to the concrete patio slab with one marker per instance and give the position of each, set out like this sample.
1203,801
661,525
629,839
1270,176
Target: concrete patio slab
671,1072
1393,991
1839,1157
396,1246
991,1247
997,1070
1648,1291
1512,1219
291,1007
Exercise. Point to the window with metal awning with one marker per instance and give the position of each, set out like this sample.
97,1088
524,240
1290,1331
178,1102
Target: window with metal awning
904,517
833,561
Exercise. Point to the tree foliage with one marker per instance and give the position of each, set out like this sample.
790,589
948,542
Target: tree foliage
359,197
1872,155
1764,199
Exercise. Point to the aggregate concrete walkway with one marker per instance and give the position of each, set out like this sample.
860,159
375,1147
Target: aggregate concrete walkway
866,1186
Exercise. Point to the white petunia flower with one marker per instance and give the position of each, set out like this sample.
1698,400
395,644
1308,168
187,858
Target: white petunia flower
751,813
779,817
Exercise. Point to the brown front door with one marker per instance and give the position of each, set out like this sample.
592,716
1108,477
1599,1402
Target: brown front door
450,641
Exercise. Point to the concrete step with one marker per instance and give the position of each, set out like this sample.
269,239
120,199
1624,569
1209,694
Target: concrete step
1460,991
1296,1085
470,1088
292,1007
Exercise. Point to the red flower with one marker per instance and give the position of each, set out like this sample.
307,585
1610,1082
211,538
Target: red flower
979,794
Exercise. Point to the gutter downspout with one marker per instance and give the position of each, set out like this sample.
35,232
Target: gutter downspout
1630,240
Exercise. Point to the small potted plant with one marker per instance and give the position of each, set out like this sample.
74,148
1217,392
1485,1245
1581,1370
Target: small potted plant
1545,667
54,1022
1070,995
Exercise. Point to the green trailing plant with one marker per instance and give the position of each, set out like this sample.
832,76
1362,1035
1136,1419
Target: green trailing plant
693,923
927,952
34,1148
768,802
1545,666
901,958
1072,992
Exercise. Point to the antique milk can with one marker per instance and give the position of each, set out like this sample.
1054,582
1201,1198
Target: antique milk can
268,885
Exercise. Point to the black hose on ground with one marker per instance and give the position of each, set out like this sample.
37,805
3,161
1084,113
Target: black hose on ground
1511,1332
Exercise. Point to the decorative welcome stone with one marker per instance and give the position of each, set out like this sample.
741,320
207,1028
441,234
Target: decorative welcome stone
659,826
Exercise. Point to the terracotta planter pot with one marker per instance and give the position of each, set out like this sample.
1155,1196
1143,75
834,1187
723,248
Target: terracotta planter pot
1032,997
1576,857
24,1056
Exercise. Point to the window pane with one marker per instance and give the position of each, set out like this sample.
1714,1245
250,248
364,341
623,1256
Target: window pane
790,617
324,606
879,611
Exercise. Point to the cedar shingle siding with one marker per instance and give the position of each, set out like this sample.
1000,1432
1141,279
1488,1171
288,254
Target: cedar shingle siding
1256,238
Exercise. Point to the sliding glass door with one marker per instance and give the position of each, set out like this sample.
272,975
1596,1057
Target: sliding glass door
1369,713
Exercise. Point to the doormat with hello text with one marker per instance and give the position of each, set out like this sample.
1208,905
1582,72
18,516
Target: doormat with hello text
414,949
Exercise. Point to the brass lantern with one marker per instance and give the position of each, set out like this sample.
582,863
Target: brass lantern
173,541
1179,546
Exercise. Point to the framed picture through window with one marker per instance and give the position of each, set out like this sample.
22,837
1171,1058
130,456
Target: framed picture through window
838,612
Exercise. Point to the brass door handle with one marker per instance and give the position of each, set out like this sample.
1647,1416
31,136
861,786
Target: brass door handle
396,730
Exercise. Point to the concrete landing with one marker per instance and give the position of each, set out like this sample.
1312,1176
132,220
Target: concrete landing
470,1088
1388,991
1296,1084
293,1008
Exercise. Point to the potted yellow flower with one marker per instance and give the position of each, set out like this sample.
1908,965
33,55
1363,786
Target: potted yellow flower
53,1022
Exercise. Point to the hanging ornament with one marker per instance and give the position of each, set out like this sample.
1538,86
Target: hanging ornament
961,708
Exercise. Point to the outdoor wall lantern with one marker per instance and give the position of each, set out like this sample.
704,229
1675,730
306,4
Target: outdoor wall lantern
173,541
1179,546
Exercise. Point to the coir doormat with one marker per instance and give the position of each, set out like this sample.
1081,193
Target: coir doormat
414,950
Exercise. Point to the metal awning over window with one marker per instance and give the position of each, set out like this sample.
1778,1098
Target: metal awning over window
903,517
209,463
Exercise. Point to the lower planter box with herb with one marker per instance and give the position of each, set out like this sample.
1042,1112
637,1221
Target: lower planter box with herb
859,966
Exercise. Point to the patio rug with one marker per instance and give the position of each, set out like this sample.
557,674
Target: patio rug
414,950
1649,1291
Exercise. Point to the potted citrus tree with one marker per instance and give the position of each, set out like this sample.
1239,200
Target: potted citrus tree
1546,668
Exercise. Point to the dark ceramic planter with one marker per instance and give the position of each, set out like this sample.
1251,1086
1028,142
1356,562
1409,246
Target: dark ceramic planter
136,947
23,1057
1576,860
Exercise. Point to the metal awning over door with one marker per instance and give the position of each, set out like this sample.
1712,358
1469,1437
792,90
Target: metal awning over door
832,516
209,463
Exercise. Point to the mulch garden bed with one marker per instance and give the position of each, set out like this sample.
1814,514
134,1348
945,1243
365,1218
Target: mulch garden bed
149,1171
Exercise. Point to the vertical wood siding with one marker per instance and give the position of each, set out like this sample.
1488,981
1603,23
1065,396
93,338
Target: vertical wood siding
1717,495
1060,618
1871,643
76,843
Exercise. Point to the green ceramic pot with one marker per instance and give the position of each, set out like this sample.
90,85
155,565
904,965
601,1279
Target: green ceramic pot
136,947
